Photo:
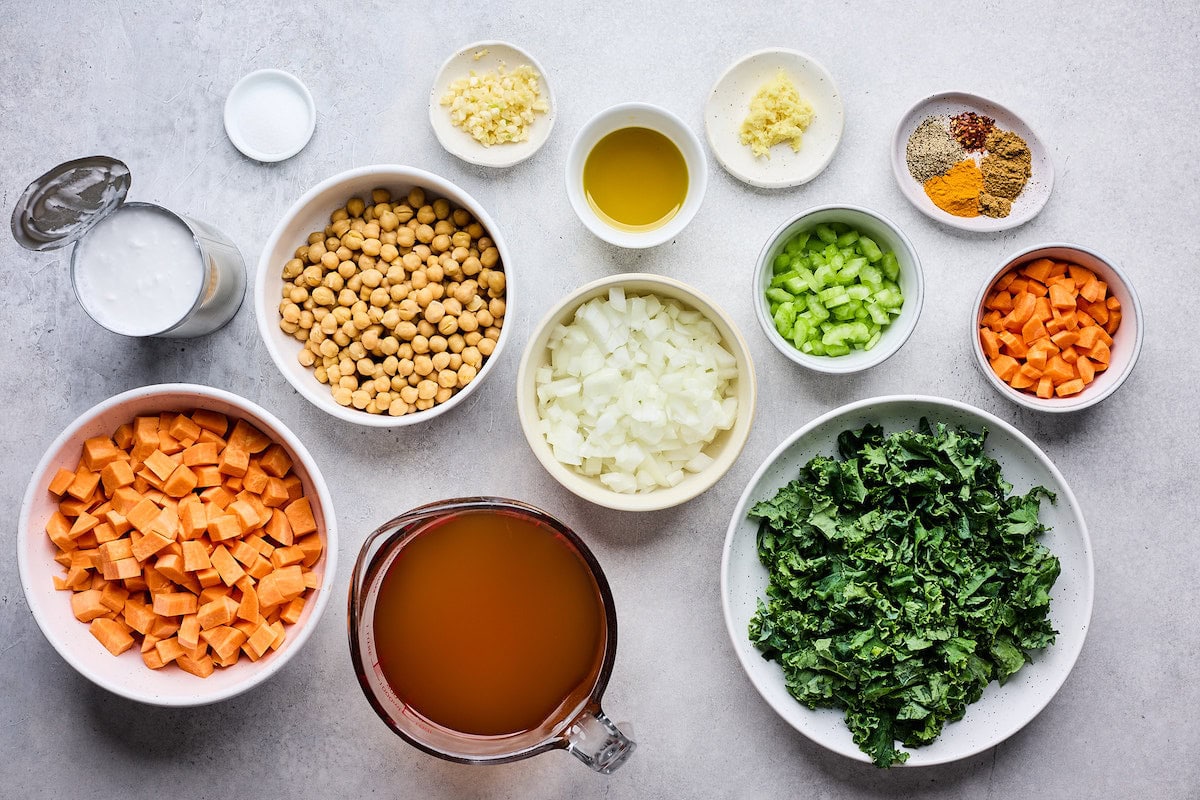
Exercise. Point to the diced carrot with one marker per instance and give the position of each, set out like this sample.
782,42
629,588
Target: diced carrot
1045,388
112,634
1094,290
1039,269
1114,322
1081,275
1100,353
1058,370
1061,298
1024,305
1065,338
1085,319
1069,387
1113,303
1087,373
1033,330
1013,344
1069,355
999,301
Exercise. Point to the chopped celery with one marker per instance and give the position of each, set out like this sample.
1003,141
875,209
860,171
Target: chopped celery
833,290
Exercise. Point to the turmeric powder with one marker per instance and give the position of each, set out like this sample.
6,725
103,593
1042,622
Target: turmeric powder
957,192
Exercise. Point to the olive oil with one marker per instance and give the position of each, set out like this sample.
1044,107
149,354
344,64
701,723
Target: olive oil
487,623
635,179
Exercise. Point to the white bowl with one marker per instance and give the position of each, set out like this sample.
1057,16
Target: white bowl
724,449
270,115
637,115
1002,710
1127,341
491,55
729,103
1028,203
888,237
126,675
311,213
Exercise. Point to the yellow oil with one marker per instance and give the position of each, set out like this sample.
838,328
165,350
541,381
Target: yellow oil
635,179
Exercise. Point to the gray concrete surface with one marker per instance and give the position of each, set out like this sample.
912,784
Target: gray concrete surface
1110,90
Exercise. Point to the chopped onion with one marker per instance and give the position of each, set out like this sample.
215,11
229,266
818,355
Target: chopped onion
635,389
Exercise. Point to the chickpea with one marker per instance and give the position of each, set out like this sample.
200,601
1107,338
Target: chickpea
425,328
405,237
361,321
316,250
347,297
451,267
343,396
347,270
339,229
391,318
312,277
301,253
424,296
425,405
422,365
390,365
409,394
353,240
319,372
388,220
341,338
472,355
496,307
456,343
306,319
341,315
399,408
492,333
448,325
474,229
484,317
406,330
433,312
419,279
288,327
360,399
370,339
329,348
426,389
440,360
409,308
405,368
461,241
423,252
398,292
437,291
365,262
383,401
390,346
461,217
346,367
447,379
420,344
425,215
388,252
472,338
291,312
424,234
371,230
486,346
380,298
416,197
348,382
354,284
334,282
367,367
455,361
292,269
434,273
467,322
466,373
471,266
452,306
438,344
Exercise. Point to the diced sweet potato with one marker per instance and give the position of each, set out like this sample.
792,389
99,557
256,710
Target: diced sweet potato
88,605
225,565
174,604
112,634
201,668
211,421
61,480
233,462
299,514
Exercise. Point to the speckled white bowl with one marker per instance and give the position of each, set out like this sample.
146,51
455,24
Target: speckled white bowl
126,675
1127,341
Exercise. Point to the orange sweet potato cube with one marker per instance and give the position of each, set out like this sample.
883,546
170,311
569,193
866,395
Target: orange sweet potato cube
224,527
189,631
169,649
115,475
84,484
249,438
299,514
152,659
207,475
278,527
276,462
221,611
292,611
148,545
234,461
88,605
112,634
161,464
195,556
200,667
174,604
247,517
202,454
183,428
83,523
211,421
226,566
312,547
180,482
99,452
61,480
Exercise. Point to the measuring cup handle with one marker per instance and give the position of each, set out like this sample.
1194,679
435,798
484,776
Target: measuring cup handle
596,741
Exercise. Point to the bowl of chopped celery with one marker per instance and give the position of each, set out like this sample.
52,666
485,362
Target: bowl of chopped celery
636,392
838,288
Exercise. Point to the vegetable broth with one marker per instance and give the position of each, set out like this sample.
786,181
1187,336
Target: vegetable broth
635,179
487,623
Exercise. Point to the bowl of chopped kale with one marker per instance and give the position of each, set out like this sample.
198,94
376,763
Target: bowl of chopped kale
907,580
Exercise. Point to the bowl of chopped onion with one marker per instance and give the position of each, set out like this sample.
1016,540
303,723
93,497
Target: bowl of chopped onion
636,392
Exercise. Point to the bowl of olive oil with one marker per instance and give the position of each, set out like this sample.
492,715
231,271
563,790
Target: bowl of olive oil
636,175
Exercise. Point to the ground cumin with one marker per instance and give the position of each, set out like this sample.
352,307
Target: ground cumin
1006,167
957,192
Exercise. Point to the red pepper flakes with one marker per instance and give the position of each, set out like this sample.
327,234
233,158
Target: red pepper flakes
971,130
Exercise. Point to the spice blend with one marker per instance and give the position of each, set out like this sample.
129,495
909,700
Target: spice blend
967,165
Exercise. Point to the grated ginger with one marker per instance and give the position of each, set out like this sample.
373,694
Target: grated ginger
496,107
777,114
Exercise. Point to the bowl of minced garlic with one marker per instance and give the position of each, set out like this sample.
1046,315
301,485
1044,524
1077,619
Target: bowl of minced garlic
974,170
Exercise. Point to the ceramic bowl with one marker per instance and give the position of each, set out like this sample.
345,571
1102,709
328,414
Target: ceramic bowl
311,213
1029,202
729,103
126,675
1002,710
723,450
482,57
889,237
1127,339
636,115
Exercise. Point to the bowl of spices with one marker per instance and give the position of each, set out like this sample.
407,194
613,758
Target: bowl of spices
971,163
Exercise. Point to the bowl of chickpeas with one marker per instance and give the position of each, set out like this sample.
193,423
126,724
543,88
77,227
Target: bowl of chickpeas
381,295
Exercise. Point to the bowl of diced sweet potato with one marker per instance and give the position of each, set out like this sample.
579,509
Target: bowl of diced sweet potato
1057,328
177,544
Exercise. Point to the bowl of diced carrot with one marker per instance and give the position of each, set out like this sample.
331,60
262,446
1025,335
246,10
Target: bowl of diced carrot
1057,327
177,545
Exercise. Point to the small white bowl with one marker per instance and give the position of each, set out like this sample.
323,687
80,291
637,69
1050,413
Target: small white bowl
637,115
724,449
1127,341
729,103
270,115
126,675
483,57
311,213
885,233
1028,203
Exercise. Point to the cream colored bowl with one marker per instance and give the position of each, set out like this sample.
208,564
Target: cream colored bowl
723,450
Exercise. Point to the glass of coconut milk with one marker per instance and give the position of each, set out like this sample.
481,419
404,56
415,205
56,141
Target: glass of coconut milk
138,269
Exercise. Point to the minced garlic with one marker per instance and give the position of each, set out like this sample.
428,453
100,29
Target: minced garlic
496,107
777,114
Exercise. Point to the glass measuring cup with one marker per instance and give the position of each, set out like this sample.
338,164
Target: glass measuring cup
578,725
